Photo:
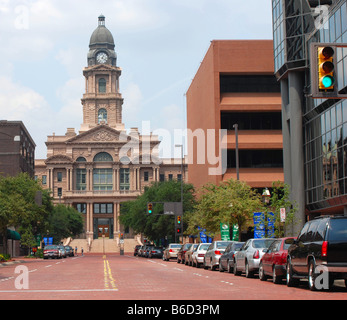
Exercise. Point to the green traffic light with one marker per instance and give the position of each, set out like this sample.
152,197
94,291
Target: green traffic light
327,81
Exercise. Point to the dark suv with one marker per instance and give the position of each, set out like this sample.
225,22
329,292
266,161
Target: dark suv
319,254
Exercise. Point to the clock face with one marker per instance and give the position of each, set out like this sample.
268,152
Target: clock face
101,57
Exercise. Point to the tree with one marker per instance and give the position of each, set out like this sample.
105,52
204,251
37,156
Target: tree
64,222
280,198
18,207
231,202
157,225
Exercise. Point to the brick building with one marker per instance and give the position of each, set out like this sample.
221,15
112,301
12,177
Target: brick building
235,84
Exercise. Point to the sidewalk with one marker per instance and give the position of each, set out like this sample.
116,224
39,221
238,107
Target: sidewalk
18,260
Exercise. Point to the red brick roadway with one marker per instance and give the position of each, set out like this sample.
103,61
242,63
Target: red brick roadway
115,277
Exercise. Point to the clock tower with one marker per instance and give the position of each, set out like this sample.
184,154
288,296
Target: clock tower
102,102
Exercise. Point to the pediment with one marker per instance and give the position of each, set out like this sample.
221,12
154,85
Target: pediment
59,159
102,133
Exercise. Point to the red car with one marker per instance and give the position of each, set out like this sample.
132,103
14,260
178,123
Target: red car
273,263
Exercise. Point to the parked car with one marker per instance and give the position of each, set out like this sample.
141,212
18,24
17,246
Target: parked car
171,251
156,252
248,257
51,251
69,251
139,251
213,254
181,253
62,250
226,261
136,250
199,254
147,251
274,261
320,248
188,255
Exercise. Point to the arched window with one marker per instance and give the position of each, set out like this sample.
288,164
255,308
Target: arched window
102,85
102,115
103,157
81,159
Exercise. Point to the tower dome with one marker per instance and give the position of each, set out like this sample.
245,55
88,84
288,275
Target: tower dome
101,44
101,37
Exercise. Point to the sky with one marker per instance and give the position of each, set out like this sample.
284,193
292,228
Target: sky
159,44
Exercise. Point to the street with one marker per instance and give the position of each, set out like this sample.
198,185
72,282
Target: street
115,277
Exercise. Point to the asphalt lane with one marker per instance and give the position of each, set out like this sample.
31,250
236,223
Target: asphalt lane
114,277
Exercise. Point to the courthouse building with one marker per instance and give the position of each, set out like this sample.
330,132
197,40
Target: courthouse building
102,165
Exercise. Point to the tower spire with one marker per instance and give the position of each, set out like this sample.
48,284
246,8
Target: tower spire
101,20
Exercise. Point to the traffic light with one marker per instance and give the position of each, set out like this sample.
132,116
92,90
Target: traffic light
178,220
178,231
326,74
122,236
149,208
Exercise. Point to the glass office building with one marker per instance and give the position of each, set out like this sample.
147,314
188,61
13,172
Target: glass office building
314,130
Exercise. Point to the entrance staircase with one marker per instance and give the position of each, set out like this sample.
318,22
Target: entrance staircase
97,245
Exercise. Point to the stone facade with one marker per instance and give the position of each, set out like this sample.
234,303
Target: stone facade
102,165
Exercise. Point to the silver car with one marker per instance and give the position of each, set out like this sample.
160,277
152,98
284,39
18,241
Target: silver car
199,254
213,254
188,255
171,251
248,258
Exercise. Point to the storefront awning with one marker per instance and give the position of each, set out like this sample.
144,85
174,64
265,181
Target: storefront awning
14,235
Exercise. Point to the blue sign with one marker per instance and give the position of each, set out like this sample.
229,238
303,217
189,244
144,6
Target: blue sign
259,225
48,241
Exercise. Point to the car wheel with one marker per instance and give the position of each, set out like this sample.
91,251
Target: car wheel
236,272
220,267
291,282
275,278
230,270
262,275
249,274
205,266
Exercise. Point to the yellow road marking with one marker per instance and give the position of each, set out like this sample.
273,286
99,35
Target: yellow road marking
108,278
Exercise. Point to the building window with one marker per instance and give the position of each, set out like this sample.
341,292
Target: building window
162,177
124,179
81,179
103,157
256,158
179,177
102,85
44,180
60,176
103,208
60,192
146,178
81,159
170,177
81,207
102,115
102,179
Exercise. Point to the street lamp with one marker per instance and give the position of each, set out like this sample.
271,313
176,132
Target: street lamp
236,127
266,196
180,146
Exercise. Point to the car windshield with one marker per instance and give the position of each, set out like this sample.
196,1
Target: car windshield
175,246
238,245
222,245
50,247
262,243
204,246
